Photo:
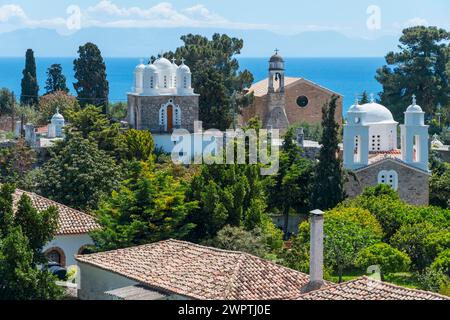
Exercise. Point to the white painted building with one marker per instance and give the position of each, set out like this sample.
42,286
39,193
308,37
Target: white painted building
73,230
371,150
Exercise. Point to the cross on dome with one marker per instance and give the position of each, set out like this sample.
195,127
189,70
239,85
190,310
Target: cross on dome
414,101
174,60
372,98
141,61
276,50
182,60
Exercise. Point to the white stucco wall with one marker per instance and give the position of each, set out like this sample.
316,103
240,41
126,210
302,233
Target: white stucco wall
94,282
70,244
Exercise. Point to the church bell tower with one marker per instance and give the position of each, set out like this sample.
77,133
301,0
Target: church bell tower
276,118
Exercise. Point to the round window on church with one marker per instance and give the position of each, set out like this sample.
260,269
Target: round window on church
302,101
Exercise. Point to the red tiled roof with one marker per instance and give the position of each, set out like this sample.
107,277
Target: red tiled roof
201,272
71,221
369,289
260,88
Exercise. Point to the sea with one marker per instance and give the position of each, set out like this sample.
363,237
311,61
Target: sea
346,76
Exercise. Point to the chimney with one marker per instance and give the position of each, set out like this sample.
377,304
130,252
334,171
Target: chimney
316,252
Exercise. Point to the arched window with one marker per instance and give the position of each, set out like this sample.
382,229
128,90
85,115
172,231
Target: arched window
185,82
165,81
57,255
388,177
357,150
151,82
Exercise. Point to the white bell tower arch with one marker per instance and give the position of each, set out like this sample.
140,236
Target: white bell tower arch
414,137
356,138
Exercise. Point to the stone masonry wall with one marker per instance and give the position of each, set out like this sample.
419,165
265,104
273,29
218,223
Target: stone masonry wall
413,185
148,118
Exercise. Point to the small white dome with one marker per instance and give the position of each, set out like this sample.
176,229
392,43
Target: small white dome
163,64
57,116
414,108
140,67
184,69
376,113
151,68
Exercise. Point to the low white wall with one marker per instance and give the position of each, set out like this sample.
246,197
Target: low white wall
94,282
70,244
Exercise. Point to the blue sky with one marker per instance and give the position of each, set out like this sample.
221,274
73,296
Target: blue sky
282,16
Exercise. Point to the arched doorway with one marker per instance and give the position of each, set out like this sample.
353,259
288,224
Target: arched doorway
169,118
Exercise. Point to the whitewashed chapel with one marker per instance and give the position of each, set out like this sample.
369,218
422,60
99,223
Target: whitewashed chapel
371,151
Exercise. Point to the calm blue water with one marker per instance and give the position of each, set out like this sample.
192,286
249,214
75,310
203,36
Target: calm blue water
346,76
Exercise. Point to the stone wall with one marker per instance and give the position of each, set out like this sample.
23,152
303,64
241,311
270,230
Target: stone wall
413,185
148,117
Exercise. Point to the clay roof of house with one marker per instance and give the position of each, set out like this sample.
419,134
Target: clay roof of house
70,222
200,272
366,288
260,88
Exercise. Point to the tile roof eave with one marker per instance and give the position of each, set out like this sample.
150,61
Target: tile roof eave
395,160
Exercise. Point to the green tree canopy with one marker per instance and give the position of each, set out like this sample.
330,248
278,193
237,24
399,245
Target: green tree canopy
418,68
16,162
57,100
56,81
148,207
79,174
215,75
290,188
92,86
328,188
389,259
22,237
238,239
30,87
7,101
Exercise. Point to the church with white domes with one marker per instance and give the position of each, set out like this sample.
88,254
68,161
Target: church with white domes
162,98
371,151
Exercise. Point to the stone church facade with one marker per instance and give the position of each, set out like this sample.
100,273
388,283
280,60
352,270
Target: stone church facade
281,101
371,152
162,99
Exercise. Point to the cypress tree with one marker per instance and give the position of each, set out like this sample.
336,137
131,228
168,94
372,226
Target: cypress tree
90,72
30,87
56,81
329,180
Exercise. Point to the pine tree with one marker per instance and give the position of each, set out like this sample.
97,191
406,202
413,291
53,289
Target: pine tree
148,207
329,179
92,86
56,81
291,186
30,87
22,238
364,98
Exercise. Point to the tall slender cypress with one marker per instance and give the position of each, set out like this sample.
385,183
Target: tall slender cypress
90,72
30,87
329,176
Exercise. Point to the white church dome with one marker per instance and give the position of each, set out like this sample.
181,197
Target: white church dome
184,69
140,67
151,68
414,108
58,116
376,113
163,64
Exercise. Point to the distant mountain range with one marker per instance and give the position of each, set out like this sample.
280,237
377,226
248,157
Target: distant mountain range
147,42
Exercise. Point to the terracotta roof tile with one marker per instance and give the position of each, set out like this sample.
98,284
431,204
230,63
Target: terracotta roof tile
369,289
201,272
260,88
71,221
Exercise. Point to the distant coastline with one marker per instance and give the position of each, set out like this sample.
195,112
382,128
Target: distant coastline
345,75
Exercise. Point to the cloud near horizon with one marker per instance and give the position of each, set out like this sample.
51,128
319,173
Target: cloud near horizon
107,14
